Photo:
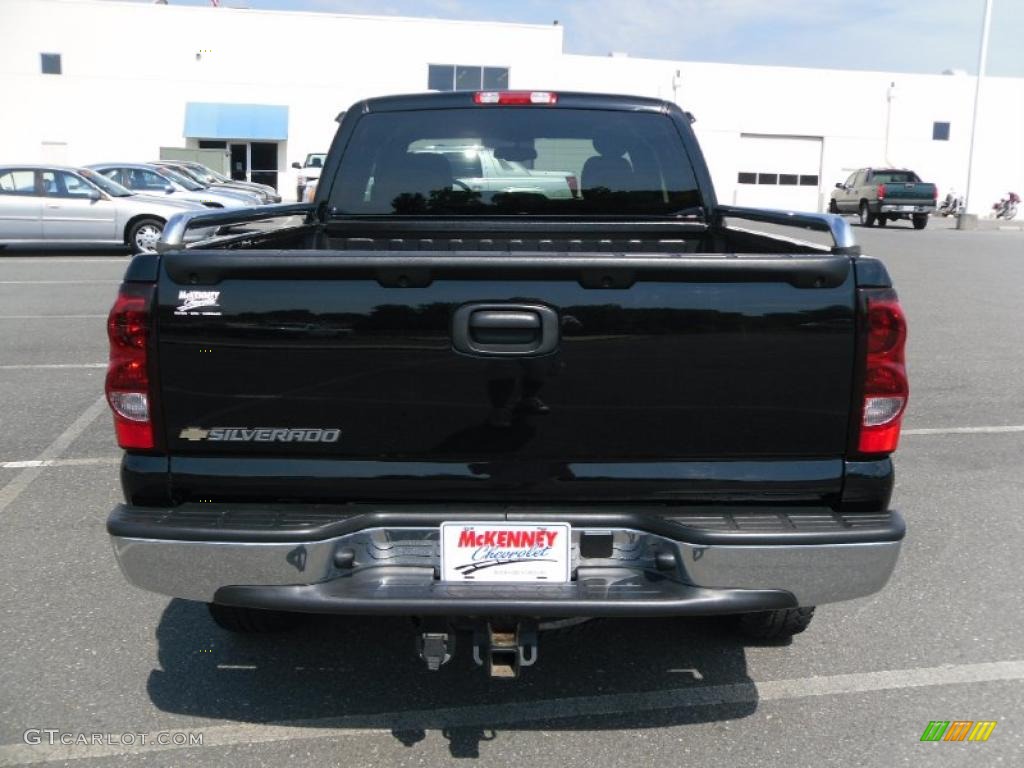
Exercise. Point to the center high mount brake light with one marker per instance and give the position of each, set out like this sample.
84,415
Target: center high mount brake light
515,97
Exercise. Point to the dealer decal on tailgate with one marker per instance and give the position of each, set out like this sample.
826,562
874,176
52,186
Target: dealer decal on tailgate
505,552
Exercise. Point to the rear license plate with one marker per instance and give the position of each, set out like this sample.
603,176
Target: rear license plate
907,208
489,552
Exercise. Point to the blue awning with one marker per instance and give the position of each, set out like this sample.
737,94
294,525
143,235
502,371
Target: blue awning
259,122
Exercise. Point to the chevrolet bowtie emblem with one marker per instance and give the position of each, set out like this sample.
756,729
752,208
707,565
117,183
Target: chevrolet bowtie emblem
194,433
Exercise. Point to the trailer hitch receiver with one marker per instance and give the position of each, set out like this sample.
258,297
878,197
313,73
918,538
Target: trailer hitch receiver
504,649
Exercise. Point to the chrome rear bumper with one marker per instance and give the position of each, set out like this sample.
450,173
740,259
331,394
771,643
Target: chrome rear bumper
392,570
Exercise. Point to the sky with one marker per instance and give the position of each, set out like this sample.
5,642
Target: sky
926,36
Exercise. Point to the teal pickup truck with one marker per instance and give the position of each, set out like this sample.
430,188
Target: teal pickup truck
880,195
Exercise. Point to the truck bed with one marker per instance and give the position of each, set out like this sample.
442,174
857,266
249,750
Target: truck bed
682,373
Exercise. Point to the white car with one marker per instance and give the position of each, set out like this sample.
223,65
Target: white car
491,171
157,180
309,171
61,204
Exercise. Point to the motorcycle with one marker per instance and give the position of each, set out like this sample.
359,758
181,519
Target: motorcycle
1007,207
951,206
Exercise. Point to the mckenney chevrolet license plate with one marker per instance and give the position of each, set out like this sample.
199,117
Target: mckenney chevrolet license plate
505,552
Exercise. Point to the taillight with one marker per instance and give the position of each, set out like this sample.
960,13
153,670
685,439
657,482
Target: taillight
886,388
881,191
574,184
515,97
128,384
935,192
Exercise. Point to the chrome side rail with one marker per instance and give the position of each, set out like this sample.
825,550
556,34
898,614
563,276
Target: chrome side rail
174,232
837,226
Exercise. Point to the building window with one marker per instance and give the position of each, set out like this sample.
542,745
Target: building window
441,77
940,131
208,144
784,179
50,63
465,77
468,78
495,78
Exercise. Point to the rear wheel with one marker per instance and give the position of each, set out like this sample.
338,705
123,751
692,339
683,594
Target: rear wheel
252,620
775,625
867,218
144,235
881,220
832,207
920,220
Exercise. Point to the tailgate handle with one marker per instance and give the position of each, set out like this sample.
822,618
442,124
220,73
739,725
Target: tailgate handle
493,326
505,329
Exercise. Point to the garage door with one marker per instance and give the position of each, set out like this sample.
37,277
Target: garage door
779,172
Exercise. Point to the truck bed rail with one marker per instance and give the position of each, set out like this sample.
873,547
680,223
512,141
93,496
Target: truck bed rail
173,238
838,227
174,232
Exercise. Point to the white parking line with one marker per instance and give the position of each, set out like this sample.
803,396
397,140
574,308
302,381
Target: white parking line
520,712
50,317
7,260
85,462
60,282
33,366
23,479
966,430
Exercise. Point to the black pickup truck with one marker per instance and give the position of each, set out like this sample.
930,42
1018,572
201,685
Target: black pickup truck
498,410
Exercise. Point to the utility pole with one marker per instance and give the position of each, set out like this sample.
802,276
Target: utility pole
890,94
982,56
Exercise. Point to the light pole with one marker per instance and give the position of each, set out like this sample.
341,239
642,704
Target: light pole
982,56
890,94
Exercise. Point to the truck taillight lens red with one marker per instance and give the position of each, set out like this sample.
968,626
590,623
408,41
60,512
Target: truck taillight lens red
128,385
886,388
515,97
881,191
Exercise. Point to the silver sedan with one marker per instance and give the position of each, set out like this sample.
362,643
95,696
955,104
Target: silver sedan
60,204
203,175
148,179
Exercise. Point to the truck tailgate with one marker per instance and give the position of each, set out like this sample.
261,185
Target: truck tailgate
909,192
351,357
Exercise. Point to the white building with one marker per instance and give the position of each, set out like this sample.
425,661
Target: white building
87,81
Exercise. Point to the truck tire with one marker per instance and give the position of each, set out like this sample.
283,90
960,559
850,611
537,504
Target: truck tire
252,620
881,220
920,220
775,625
832,207
867,218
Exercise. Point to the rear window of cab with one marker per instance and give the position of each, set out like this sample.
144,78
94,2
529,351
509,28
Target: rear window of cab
507,160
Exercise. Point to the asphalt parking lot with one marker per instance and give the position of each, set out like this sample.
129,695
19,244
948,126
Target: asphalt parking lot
83,652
